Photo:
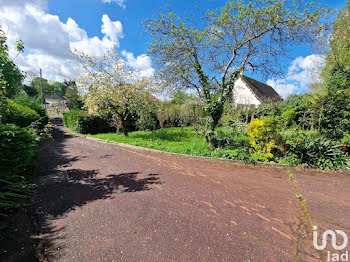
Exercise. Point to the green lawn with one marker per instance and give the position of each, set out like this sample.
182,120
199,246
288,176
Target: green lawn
175,140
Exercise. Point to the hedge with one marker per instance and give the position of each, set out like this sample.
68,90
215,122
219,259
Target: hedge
36,106
18,152
96,124
70,119
19,115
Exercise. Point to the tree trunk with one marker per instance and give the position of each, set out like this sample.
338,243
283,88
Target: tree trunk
124,127
214,105
213,121
125,132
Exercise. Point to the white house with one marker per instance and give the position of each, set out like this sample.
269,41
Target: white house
55,100
248,91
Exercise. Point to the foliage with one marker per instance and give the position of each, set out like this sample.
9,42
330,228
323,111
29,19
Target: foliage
232,140
295,111
332,108
336,114
334,101
180,97
18,152
18,148
177,140
320,153
49,86
241,35
168,139
171,114
71,118
234,154
346,139
21,115
95,124
293,135
147,119
30,91
264,137
34,104
168,115
74,101
338,45
10,75
115,87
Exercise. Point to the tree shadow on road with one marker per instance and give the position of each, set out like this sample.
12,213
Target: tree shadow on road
81,187
61,189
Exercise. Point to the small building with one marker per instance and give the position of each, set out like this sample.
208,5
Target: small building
54,100
250,92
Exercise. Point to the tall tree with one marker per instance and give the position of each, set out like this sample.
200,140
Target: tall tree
10,75
74,100
209,55
111,85
339,43
332,105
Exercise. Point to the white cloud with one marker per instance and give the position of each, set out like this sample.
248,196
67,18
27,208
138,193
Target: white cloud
306,70
113,30
42,4
142,63
282,87
121,3
46,38
302,72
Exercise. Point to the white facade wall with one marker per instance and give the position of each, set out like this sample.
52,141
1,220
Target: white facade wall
50,102
242,94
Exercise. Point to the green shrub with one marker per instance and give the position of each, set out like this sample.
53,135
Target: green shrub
18,152
336,114
19,115
319,153
96,124
147,121
295,111
70,119
346,139
264,137
32,103
292,136
234,154
230,139
18,148
37,107
83,123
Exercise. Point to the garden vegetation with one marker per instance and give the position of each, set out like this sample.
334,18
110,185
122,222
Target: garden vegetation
310,129
204,58
23,123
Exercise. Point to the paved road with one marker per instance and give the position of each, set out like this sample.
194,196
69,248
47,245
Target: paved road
107,202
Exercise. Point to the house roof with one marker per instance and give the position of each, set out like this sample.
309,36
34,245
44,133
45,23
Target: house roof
54,96
263,92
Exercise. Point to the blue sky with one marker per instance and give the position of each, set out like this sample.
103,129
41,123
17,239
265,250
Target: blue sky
136,11
47,27
87,13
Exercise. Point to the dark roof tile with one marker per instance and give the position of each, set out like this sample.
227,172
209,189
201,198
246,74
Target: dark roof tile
54,96
263,92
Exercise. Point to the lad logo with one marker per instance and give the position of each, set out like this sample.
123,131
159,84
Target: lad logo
333,235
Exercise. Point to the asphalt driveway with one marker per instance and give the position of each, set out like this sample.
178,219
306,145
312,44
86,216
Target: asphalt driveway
105,202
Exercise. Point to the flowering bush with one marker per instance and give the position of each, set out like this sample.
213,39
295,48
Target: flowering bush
264,137
321,153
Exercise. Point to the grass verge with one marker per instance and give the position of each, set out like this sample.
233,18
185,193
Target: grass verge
175,140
